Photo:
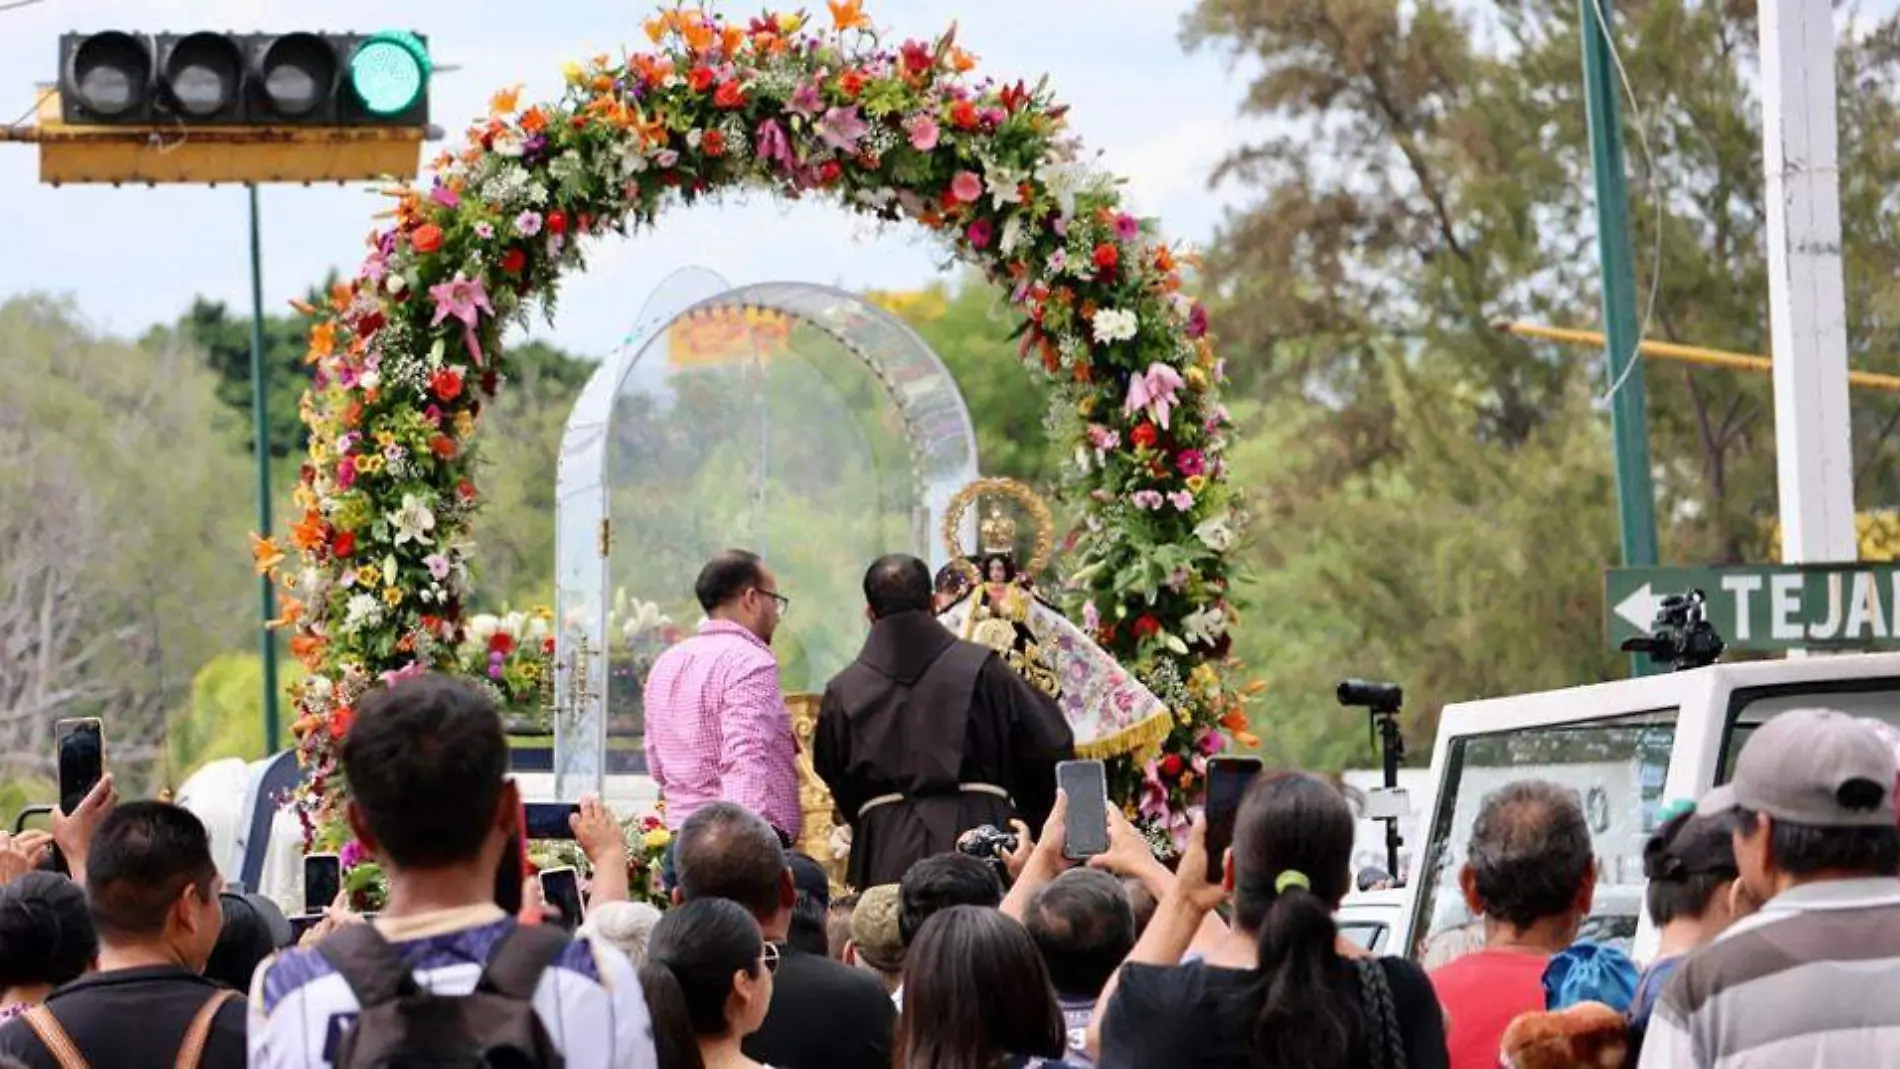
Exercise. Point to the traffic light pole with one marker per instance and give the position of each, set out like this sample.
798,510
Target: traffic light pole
260,433
1629,417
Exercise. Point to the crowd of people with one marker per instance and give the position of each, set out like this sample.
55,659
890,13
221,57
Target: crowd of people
1774,897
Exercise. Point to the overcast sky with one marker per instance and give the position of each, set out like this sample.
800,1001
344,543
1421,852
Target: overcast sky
131,257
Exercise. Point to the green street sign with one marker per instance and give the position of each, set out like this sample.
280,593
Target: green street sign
1768,606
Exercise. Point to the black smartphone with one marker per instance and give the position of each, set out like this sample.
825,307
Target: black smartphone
561,888
1085,828
82,759
1227,780
549,820
322,882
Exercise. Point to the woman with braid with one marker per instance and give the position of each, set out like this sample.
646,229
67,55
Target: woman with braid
1281,989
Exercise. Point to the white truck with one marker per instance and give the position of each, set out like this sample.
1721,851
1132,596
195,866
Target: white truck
1627,748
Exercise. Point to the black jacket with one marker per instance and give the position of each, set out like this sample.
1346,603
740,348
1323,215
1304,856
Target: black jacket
823,1016
133,1019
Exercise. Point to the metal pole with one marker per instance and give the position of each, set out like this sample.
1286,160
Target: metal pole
260,432
1629,418
1806,300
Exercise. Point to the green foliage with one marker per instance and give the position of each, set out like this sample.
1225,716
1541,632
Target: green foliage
223,717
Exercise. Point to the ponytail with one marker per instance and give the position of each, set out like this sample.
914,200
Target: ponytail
1302,1020
675,1041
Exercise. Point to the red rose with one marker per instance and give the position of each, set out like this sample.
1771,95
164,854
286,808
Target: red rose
557,222
1144,436
465,491
1147,626
851,83
427,238
513,261
1171,765
701,79
341,719
1107,256
713,143
830,172
963,115
729,96
501,642
443,446
446,384
344,544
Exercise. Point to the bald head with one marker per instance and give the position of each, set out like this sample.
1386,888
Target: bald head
897,582
1530,853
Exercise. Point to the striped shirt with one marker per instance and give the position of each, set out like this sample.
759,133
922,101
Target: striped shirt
717,728
1809,980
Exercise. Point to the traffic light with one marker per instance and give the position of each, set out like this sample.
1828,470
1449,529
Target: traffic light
116,78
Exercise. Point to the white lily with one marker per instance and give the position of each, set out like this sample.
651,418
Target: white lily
413,522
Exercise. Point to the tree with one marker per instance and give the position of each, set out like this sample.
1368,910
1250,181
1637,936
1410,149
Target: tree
121,547
1425,176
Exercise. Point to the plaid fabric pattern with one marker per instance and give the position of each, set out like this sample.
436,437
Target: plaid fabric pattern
717,728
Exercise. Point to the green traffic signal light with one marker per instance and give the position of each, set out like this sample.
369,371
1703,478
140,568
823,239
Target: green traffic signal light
389,71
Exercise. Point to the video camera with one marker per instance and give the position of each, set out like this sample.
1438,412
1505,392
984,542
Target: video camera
1681,636
987,843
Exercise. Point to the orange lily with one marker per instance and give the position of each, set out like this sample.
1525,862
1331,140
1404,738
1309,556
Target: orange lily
322,341
848,14
657,26
264,551
340,296
308,649
533,122
292,612
699,35
304,307
730,38
1247,739
963,62
307,534
1235,720
505,100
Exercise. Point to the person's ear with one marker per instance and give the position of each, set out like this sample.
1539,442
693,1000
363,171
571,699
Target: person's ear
850,954
679,897
869,615
1468,887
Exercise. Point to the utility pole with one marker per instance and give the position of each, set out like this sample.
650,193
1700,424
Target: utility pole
260,431
1629,416
1806,288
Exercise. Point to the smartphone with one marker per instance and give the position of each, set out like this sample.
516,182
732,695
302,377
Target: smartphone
322,882
1085,828
82,759
561,888
1227,780
549,820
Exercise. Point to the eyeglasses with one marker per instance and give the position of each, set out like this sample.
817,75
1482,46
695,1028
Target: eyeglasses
784,603
769,957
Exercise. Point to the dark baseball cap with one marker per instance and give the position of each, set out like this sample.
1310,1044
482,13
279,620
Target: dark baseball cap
809,876
1815,767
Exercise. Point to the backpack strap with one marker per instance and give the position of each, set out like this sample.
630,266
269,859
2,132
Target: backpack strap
192,1051
515,965
373,969
53,1037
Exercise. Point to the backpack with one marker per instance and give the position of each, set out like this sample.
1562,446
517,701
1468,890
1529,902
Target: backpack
401,1024
59,1046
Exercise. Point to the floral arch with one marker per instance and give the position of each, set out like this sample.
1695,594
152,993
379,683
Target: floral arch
408,352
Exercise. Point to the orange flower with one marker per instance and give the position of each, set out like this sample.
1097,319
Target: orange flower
1247,739
533,122
341,295
963,61
265,552
729,96
308,649
730,38
657,26
851,83
292,612
443,446
322,341
342,718
307,534
652,69
505,100
848,14
1235,720
427,238
699,35
1164,259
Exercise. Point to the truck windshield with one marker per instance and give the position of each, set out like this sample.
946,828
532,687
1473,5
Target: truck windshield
1750,707
1616,767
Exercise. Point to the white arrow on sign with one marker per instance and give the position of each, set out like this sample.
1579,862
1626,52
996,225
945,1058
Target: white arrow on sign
1639,609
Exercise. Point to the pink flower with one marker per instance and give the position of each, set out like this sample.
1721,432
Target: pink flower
438,566
407,671
1104,437
773,145
1211,742
1154,794
1126,227
528,224
1148,500
352,854
1091,617
806,101
842,129
1192,462
346,473
445,196
924,133
464,299
1153,390
484,230
1197,326
1182,500
966,187
980,233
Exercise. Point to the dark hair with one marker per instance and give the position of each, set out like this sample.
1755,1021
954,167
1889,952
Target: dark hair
1530,852
1803,849
954,577
974,990
1083,926
897,582
1142,901
250,934
46,933
687,977
1290,822
807,931
1009,566
426,761
1686,861
937,883
838,924
726,576
727,851
143,856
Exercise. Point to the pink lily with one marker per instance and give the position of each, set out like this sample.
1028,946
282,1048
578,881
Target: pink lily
773,145
1153,390
465,299
842,129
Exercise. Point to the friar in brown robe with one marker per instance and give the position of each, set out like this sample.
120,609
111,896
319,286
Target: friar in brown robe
926,736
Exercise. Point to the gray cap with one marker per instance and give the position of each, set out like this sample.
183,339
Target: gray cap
1797,768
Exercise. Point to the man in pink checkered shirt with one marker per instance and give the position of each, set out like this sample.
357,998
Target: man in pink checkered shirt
716,723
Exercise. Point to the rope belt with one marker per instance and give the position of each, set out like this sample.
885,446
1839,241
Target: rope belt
966,788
